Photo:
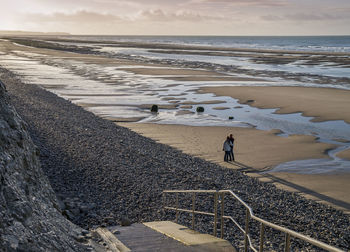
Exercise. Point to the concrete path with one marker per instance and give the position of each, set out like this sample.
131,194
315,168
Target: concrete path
138,237
166,236
194,239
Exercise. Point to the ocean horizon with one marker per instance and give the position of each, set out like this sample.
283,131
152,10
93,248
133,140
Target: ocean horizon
337,43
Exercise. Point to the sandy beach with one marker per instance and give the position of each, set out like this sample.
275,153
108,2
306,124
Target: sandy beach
256,150
92,161
260,150
344,154
322,103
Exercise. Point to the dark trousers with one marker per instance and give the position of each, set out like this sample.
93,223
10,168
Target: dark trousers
232,156
227,155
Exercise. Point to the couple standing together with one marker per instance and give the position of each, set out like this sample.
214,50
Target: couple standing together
228,148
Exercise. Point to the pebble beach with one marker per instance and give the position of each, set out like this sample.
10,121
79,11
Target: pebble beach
117,173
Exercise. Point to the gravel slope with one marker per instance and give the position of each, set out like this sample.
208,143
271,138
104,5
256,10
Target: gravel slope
119,173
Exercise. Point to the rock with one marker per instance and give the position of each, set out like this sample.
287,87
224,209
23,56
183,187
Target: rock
154,108
29,219
68,214
75,211
61,205
125,222
84,209
200,109
80,238
91,206
84,232
116,232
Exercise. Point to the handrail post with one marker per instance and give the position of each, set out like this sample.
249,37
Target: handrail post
215,213
287,243
193,208
163,202
249,215
246,230
262,234
222,214
177,207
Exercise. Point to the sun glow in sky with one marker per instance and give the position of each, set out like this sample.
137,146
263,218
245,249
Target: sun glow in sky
178,17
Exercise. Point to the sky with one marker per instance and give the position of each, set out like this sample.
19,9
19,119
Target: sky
178,17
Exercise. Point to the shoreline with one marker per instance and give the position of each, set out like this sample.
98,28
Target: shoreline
255,73
289,99
83,154
146,45
251,160
206,143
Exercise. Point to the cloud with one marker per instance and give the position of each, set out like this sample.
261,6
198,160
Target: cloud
81,17
160,15
304,17
243,2
76,17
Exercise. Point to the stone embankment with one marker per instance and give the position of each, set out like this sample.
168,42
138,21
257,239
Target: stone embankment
105,173
30,218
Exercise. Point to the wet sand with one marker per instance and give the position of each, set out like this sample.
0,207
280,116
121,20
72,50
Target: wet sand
84,155
257,151
170,71
254,148
156,70
210,78
322,103
331,189
183,74
344,154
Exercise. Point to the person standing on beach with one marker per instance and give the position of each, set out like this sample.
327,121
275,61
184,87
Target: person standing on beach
227,149
232,144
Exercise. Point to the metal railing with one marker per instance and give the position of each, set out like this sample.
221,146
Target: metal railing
248,215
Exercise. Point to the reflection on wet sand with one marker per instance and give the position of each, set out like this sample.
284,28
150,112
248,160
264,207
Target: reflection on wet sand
123,90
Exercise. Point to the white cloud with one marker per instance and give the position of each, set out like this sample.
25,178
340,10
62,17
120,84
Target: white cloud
181,15
242,2
156,15
305,17
78,17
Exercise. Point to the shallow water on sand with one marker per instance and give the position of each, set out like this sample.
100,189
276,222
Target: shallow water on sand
247,63
333,164
114,92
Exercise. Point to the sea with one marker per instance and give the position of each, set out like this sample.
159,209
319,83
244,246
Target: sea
290,43
187,48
